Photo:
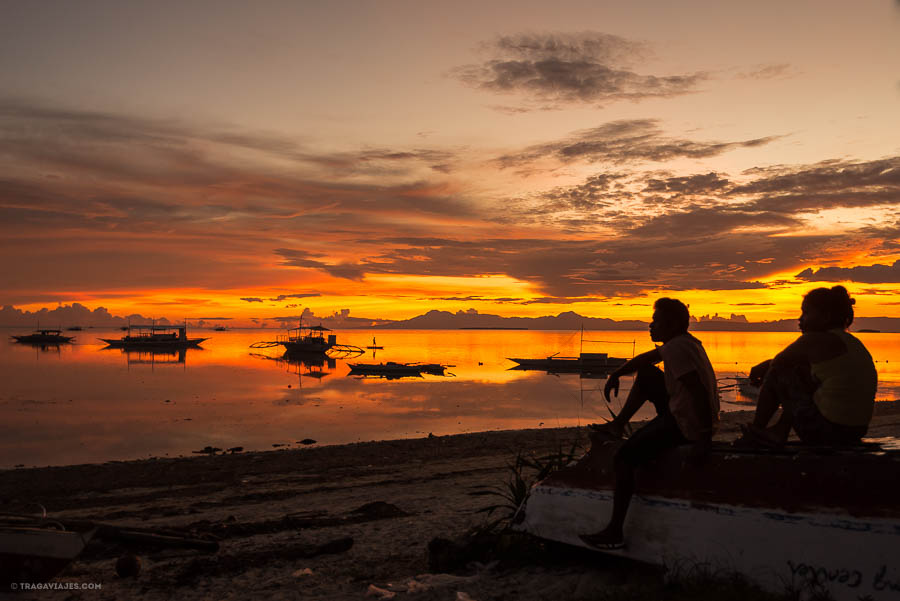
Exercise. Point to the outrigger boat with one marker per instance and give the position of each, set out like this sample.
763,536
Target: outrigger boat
583,363
44,337
306,339
597,364
138,337
397,370
804,518
309,340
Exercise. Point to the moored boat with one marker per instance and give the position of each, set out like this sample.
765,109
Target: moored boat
154,336
306,340
44,337
814,519
33,555
397,370
583,363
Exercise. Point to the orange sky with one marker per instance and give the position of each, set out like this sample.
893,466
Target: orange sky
393,157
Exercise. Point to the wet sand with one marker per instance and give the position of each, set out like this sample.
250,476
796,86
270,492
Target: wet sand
344,522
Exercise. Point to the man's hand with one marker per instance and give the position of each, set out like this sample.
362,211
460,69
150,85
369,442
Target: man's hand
612,383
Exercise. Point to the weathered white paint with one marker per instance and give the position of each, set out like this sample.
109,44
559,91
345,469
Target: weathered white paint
847,556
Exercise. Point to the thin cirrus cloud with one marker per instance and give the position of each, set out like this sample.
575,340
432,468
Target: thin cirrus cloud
622,142
564,68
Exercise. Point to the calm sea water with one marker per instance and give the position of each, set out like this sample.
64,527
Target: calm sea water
80,402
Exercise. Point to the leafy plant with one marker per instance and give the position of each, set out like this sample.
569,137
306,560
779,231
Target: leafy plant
525,470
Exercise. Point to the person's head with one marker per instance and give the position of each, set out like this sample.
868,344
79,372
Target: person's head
670,319
825,309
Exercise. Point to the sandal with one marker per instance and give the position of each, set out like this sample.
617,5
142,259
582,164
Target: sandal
602,541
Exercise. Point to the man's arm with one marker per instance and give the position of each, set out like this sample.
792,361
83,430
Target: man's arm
629,367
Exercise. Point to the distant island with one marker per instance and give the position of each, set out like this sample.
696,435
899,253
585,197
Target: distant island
469,319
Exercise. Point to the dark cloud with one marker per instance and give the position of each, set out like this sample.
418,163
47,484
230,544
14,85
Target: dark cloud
282,297
752,304
300,258
625,141
867,274
826,185
252,299
571,68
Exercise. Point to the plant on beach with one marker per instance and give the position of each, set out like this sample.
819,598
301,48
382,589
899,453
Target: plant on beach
524,471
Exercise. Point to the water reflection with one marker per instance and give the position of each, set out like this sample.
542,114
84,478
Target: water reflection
81,403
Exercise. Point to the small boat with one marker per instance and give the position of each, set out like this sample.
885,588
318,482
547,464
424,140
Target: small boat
220,329
583,363
309,340
397,370
44,337
153,336
306,340
75,328
32,554
804,518
747,387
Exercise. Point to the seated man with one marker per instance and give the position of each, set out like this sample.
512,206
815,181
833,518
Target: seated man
686,402
825,380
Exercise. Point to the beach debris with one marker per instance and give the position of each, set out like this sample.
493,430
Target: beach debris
302,572
207,450
379,593
307,441
128,566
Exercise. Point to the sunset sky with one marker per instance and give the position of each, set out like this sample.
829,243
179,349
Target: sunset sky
249,160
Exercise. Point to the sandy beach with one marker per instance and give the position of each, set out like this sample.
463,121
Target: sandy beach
343,522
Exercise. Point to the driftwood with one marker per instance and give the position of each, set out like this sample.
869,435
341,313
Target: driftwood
118,534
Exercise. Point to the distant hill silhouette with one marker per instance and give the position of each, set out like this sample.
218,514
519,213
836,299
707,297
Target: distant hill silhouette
569,320
78,314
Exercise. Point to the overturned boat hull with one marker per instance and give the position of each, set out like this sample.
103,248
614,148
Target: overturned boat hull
36,554
800,520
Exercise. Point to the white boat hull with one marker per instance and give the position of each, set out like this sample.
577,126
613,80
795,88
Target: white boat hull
802,519
849,557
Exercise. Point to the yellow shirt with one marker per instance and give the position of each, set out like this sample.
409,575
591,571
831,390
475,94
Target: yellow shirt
846,395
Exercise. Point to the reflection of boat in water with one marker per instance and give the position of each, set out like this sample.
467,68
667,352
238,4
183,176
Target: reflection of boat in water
743,385
590,363
156,356
35,554
140,337
309,340
801,518
44,337
303,364
396,370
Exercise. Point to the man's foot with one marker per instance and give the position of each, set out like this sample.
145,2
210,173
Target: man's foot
753,437
610,430
603,540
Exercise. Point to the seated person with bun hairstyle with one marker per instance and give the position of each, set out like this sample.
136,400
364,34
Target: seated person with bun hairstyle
824,381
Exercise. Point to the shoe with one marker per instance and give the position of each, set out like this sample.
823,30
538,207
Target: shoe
603,541
752,438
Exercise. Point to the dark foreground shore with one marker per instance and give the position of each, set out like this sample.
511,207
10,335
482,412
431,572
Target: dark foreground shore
343,522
